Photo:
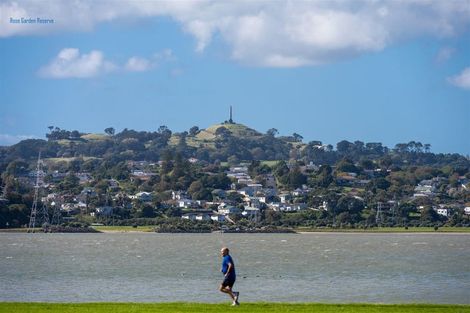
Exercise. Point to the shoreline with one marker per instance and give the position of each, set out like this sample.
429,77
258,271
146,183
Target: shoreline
294,231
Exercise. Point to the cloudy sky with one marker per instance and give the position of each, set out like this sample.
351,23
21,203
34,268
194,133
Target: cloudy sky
375,71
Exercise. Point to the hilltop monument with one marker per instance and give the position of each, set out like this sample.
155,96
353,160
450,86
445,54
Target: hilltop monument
230,121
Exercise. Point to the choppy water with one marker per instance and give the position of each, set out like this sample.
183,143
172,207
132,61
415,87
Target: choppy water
150,267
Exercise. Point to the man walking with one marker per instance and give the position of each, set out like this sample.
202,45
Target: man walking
228,269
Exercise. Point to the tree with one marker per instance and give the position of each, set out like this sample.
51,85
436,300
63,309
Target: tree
325,177
427,147
344,146
346,165
193,131
148,211
272,132
429,215
223,132
110,131
297,137
295,178
315,143
367,164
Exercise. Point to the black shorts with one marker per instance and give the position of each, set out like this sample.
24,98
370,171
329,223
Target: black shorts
228,282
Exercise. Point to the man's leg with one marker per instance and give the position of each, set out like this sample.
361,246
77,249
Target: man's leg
227,290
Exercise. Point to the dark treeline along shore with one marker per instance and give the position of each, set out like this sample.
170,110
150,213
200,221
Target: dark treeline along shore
228,177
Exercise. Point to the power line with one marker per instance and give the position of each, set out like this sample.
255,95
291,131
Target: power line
43,218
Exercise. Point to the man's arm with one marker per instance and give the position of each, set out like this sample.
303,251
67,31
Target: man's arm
229,269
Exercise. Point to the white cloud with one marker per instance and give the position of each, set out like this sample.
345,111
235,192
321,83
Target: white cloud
461,80
267,33
136,64
8,140
444,54
69,63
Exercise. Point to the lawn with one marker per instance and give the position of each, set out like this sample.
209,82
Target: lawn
149,228
225,307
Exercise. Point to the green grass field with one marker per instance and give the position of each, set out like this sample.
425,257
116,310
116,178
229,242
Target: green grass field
9,307
124,228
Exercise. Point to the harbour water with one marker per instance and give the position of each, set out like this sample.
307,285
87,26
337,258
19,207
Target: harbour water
317,267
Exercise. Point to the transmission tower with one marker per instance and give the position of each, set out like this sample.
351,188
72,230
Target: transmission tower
44,215
394,211
3,196
378,215
56,216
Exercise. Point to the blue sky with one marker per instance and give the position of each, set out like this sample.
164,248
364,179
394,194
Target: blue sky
357,71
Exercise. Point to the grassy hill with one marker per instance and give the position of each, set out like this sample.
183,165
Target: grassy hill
237,130
206,137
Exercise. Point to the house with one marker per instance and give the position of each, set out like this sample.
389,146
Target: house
246,191
88,192
178,195
137,164
70,208
218,218
293,207
219,193
197,216
252,212
324,206
142,196
466,210
113,184
425,188
187,203
57,176
104,211
285,197
444,211
245,181
84,177
141,174
258,199
300,192
227,209
285,207
255,186
189,216
193,160
203,217
345,180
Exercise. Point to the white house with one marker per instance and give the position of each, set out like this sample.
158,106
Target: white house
203,217
189,216
444,211
142,196
187,203
196,216
218,218
285,197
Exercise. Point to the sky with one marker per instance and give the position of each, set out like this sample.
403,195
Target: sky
374,71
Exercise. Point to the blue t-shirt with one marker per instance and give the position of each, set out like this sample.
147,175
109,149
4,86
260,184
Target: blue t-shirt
225,261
